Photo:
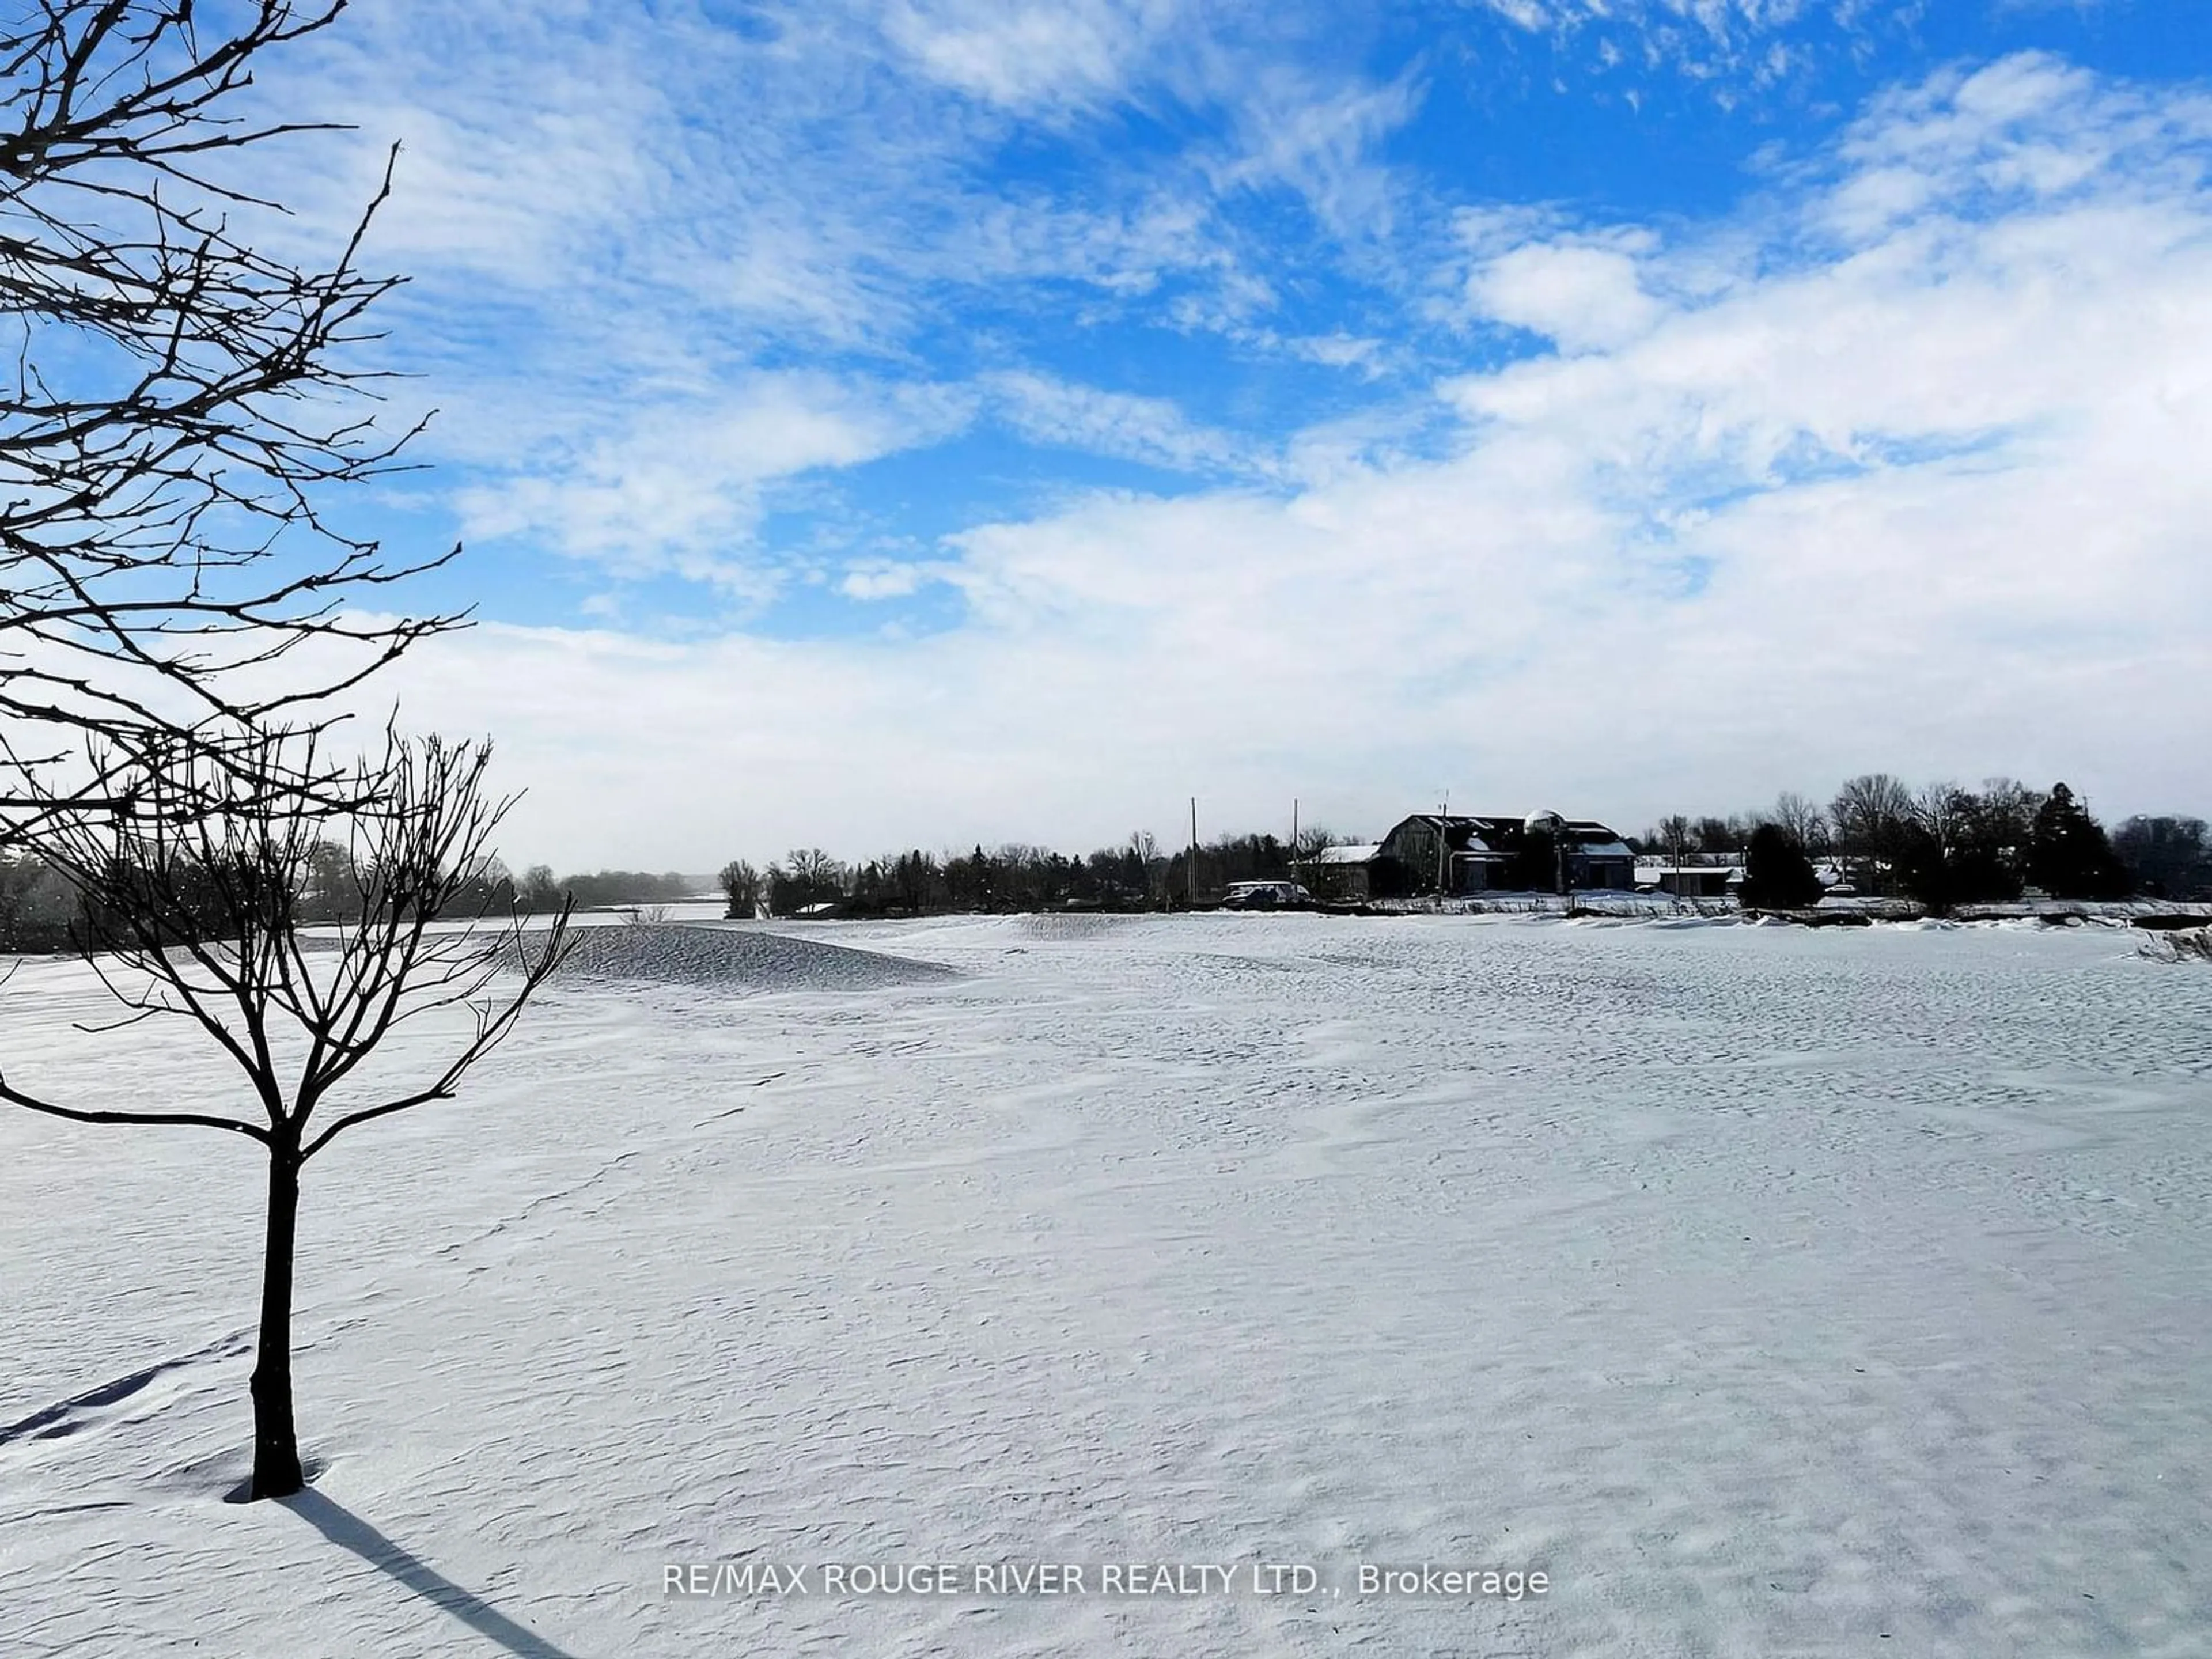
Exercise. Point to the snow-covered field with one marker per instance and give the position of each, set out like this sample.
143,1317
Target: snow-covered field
1771,1291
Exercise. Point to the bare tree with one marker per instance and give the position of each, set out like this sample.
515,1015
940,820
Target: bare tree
178,402
742,887
1942,809
1800,819
538,891
1870,816
814,867
195,915
807,877
2167,853
1145,848
2009,807
1718,834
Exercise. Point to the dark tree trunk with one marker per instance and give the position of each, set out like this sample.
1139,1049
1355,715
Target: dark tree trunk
275,1445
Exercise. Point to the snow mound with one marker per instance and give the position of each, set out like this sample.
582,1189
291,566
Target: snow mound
725,957
2192,944
1078,925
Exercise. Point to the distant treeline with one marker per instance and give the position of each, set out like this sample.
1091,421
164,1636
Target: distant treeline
1941,846
540,889
1135,875
40,912
1945,845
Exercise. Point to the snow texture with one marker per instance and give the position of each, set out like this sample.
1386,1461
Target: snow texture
2183,945
730,958
1772,1291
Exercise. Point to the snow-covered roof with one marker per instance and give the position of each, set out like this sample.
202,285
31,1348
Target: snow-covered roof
1510,824
1366,853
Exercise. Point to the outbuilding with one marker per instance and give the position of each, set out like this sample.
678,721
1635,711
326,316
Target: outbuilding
1717,879
1344,872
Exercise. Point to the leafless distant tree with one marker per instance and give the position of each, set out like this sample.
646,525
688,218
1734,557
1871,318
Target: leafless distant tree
742,887
538,890
812,868
1719,834
2009,807
1868,816
195,915
1800,819
2169,854
178,401
1943,811
1145,848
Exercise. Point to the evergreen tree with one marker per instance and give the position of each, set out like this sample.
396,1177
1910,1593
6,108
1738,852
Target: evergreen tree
2068,855
1776,874
1922,871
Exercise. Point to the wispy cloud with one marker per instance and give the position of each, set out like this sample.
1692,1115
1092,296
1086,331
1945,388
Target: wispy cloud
1736,47
1936,470
682,486
1450,485
1068,55
1151,430
626,226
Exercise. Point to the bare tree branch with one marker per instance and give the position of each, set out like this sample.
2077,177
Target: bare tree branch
32,1102
202,915
177,614
176,402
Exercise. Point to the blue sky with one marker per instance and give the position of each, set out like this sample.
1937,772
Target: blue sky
921,421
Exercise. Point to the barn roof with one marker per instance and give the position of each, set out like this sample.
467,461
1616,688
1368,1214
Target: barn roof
1487,828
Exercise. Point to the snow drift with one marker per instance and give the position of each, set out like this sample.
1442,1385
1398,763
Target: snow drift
730,958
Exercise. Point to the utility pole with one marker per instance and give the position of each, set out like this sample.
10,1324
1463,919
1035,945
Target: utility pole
1294,840
1194,852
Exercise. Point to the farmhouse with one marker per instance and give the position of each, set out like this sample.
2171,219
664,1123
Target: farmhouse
1456,855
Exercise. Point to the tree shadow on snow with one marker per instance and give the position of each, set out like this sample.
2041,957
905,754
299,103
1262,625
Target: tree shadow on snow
349,1531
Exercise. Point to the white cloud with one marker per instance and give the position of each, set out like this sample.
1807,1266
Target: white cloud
2019,131
1720,20
879,581
1581,293
614,218
1319,138
1341,350
682,486
1736,47
1027,56
1919,489
1153,430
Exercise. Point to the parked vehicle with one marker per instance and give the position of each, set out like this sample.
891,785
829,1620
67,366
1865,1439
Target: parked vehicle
1266,896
